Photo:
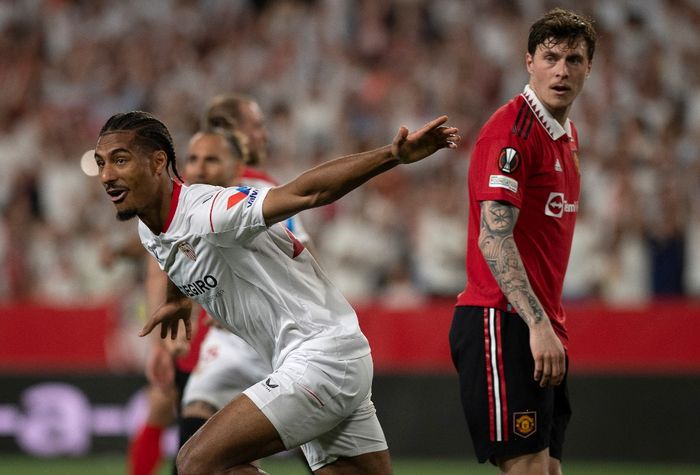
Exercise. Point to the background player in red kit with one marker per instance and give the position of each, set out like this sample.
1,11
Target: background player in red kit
508,335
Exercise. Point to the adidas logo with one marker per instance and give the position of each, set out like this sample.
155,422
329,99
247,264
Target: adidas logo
557,166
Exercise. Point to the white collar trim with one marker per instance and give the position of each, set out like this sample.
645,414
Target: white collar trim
550,124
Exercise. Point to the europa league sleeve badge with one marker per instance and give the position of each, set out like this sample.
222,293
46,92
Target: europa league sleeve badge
508,160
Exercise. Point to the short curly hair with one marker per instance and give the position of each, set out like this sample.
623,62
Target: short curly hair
559,25
149,133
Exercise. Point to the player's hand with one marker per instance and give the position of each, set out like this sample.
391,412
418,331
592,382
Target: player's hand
415,146
549,356
180,346
168,317
160,367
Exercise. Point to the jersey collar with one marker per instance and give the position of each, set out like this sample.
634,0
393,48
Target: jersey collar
550,124
174,198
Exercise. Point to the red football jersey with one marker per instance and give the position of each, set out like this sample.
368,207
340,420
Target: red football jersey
524,157
256,178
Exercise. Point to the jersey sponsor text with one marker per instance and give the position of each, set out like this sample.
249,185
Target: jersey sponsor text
199,286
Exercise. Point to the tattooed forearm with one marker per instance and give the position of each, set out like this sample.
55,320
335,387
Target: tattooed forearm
503,258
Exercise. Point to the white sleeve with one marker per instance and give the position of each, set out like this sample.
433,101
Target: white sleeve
235,213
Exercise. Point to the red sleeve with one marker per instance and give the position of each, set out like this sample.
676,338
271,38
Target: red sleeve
498,169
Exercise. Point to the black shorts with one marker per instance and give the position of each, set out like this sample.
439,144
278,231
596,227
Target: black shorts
181,378
508,414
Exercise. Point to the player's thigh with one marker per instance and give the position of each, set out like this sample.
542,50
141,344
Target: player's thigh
560,421
239,433
374,463
469,356
535,463
357,443
508,414
538,463
311,393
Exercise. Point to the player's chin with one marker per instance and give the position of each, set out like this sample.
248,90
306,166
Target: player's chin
125,214
565,98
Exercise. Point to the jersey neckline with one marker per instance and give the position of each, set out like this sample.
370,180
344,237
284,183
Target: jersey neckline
549,123
174,199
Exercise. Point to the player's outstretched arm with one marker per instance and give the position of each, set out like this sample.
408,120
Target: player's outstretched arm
176,307
331,180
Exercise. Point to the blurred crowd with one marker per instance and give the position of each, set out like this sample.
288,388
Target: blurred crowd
337,77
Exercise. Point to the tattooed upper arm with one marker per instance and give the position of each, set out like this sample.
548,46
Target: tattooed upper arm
498,247
498,218
497,224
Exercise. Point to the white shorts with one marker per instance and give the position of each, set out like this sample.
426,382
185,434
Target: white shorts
322,404
227,365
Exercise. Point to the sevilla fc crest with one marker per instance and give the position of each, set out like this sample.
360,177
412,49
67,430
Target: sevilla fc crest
187,249
508,160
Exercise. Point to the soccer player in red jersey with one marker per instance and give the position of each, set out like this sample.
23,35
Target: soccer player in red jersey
508,337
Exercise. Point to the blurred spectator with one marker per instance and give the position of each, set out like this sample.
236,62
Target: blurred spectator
440,235
362,244
628,273
667,236
586,262
328,73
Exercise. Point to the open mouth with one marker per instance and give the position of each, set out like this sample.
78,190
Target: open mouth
560,88
117,195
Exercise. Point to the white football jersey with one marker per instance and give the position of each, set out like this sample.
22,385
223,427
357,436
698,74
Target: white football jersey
260,179
259,282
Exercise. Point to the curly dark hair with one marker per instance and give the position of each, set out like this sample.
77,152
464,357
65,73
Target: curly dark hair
559,25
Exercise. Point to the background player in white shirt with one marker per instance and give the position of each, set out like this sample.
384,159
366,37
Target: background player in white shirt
227,364
224,248
214,157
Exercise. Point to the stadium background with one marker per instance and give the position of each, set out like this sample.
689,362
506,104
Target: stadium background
335,77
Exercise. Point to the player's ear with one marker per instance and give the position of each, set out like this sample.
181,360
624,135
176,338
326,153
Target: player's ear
528,62
159,162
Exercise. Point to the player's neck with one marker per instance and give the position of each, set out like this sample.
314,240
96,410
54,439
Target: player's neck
158,214
561,115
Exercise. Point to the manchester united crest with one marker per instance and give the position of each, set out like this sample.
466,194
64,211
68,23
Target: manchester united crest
187,249
508,160
525,423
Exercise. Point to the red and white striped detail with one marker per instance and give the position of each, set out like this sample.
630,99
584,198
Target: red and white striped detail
211,210
297,246
495,378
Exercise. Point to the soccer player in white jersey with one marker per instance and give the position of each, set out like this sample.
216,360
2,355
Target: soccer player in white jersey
227,364
225,248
